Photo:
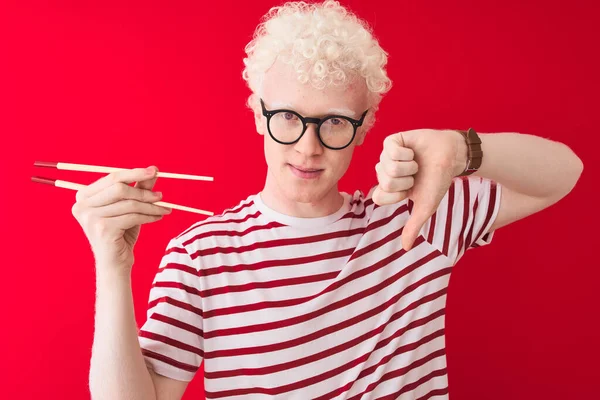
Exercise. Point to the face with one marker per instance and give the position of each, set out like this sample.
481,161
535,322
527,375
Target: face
307,171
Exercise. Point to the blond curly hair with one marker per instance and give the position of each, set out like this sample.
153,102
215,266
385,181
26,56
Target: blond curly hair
324,42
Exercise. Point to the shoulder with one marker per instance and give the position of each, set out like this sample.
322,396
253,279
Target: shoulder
242,214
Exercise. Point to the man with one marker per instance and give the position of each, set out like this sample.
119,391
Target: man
302,291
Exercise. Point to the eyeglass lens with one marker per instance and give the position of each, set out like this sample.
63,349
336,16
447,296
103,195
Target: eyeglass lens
334,132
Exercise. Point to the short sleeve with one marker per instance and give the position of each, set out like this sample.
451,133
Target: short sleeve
171,339
464,216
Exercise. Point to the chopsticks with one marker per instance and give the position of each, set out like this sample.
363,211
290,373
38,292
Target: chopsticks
97,168
94,168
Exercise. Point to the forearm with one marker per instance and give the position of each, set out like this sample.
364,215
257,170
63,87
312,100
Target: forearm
117,367
529,164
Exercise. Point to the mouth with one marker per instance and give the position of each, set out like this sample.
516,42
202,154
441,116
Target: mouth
306,169
305,172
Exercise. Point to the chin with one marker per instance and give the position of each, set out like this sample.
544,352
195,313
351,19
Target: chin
309,192
303,195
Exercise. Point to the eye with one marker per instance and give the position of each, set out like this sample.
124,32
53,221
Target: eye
288,116
337,122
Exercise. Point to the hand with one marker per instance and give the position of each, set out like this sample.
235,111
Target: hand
110,212
420,165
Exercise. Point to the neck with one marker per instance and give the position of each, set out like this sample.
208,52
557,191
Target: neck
274,197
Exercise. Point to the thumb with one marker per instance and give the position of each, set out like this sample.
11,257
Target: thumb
148,184
426,196
413,226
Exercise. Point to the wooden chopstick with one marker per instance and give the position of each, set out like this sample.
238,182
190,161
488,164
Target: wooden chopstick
97,168
78,186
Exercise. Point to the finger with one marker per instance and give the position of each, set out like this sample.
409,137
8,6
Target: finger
121,191
382,198
125,176
128,221
397,169
394,149
130,207
390,184
148,184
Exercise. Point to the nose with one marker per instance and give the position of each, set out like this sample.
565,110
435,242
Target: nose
309,144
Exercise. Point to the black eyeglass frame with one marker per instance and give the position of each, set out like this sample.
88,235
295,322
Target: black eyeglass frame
356,123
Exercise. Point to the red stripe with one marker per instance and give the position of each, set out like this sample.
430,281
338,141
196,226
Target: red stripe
344,346
375,245
275,263
383,361
177,323
490,210
434,392
409,347
412,386
224,221
170,361
228,211
278,243
293,302
239,208
301,280
384,221
468,242
227,221
431,228
465,212
448,229
209,221
231,233
306,317
176,285
175,303
170,342
180,267
402,371
179,250
352,214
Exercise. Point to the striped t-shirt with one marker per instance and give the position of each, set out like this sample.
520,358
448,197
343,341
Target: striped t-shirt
314,308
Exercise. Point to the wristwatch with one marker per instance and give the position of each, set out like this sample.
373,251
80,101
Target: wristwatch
475,154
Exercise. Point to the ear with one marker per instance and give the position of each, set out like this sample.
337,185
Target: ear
259,120
361,133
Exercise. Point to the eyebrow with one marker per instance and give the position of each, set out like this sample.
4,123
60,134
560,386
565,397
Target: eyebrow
338,111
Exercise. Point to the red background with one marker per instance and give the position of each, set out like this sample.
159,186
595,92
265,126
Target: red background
134,84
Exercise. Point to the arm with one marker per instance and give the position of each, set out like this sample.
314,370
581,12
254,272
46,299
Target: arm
534,172
421,164
110,213
118,370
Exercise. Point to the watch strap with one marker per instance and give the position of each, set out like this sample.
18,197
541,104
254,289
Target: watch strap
474,151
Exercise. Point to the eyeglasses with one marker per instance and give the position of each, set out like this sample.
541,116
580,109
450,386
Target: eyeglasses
335,132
